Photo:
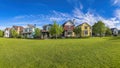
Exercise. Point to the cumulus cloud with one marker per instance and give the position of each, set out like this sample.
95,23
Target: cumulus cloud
91,18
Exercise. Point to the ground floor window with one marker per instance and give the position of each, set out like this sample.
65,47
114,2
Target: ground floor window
86,32
69,33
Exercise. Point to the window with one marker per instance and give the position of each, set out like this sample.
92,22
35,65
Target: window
86,27
85,32
30,29
69,33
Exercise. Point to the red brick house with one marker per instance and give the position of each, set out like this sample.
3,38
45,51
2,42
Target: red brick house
68,27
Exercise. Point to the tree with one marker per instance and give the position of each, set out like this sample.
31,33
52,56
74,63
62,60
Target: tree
60,28
37,33
56,30
13,33
77,31
1,33
108,31
99,28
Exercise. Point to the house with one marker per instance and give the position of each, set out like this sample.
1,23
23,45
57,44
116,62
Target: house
45,31
7,32
114,31
86,30
119,32
68,27
19,29
29,31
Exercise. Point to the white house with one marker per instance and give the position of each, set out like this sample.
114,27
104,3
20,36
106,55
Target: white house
29,31
114,31
7,32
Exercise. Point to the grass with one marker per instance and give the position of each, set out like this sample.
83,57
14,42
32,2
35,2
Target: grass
61,53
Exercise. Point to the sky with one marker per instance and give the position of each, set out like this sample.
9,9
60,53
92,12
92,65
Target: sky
42,12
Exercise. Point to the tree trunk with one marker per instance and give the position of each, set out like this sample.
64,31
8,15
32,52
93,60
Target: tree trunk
56,36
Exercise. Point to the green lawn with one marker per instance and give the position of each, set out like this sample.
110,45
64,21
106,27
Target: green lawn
61,53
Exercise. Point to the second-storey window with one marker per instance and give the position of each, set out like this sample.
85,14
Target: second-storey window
86,27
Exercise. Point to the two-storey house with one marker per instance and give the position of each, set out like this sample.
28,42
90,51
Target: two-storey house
7,32
29,31
68,27
19,29
86,30
115,31
45,31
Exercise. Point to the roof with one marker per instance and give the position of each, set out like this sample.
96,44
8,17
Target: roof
113,29
7,28
47,25
70,22
84,23
16,27
30,26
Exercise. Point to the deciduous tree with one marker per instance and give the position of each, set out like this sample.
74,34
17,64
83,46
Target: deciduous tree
1,33
56,30
108,31
77,31
37,33
13,33
99,28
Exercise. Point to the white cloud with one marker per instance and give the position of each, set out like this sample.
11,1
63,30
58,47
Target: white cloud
116,2
84,17
117,13
112,22
90,17
3,27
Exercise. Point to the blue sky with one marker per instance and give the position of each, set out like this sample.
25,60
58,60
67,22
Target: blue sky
40,12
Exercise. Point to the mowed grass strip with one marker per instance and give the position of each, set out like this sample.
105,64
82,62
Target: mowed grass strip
60,53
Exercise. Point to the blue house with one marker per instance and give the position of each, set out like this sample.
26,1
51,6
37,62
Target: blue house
45,31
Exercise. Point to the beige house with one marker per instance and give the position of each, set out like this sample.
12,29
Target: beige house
19,29
86,30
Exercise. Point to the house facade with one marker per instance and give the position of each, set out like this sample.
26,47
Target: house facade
19,29
29,31
45,31
7,32
68,27
86,30
114,31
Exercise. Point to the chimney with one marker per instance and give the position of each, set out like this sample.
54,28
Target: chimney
74,21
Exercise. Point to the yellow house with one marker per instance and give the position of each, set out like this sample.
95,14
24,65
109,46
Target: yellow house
86,30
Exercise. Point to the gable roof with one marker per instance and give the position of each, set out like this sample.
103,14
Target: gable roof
47,25
70,22
31,26
85,23
16,27
114,29
7,29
